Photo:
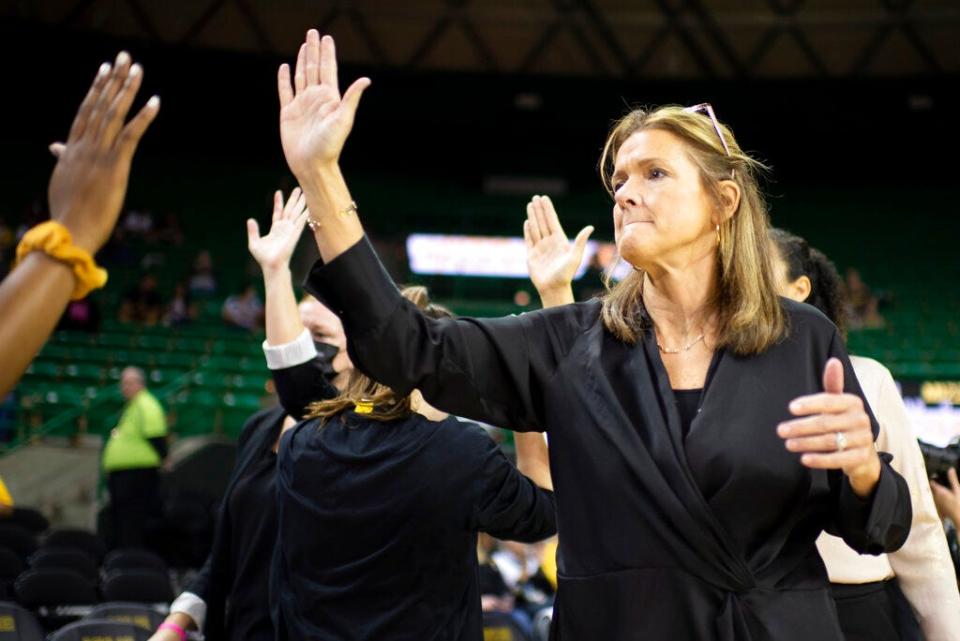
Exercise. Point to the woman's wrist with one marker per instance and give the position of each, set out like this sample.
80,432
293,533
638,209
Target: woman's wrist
864,479
556,295
276,274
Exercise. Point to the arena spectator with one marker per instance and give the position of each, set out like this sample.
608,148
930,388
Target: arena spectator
244,309
181,310
81,315
203,280
132,458
86,192
142,303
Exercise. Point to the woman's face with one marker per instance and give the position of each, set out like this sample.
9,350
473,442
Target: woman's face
662,215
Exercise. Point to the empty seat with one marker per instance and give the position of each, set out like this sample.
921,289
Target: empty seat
133,559
18,539
77,539
143,585
140,614
11,565
66,558
27,518
101,630
50,587
18,624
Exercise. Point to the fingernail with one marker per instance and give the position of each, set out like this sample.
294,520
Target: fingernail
783,430
135,70
796,406
154,102
104,69
123,58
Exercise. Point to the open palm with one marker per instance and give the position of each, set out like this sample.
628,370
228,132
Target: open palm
275,249
314,119
552,259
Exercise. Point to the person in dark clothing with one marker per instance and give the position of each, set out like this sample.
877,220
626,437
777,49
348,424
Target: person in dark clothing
668,529
380,500
228,598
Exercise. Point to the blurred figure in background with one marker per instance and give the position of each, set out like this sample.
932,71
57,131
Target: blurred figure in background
132,458
244,309
142,303
203,281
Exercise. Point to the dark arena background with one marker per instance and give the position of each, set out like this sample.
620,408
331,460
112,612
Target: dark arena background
474,107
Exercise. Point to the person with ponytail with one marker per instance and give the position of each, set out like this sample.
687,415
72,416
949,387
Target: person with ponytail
380,500
881,597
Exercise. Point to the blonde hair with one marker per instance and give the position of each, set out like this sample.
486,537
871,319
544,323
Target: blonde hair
750,316
379,402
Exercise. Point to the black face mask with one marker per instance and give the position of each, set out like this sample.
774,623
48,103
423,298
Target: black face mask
326,353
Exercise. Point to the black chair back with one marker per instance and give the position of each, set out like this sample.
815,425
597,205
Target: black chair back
29,519
54,587
18,539
79,540
68,559
18,624
133,559
140,614
101,630
144,586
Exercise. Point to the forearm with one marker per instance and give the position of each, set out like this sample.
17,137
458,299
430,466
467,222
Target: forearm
181,619
283,324
328,199
533,459
32,299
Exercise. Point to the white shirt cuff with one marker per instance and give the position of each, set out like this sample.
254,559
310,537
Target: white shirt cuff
296,352
193,606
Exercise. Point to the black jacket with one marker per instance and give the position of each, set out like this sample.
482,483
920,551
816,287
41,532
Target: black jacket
378,527
661,537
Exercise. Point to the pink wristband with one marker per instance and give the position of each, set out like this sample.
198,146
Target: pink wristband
176,628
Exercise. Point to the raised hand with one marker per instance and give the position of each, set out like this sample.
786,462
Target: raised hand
314,119
834,432
551,259
89,182
274,250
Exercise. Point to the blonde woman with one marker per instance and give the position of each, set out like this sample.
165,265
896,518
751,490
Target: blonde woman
702,431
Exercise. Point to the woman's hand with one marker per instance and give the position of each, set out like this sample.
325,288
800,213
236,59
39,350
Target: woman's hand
314,119
948,498
89,181
834,432
274,250
551,259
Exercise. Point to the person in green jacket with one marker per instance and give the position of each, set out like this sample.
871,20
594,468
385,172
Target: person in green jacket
132,459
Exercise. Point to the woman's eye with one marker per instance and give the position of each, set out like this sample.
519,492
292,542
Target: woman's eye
656,173
617,185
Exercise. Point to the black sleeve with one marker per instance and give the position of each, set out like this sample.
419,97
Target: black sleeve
159,443
509,505
300,385
490,370
881,522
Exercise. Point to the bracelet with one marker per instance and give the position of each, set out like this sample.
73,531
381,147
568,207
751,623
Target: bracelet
53,239
176,628
314,223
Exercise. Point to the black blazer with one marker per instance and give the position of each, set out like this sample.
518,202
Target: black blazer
711,536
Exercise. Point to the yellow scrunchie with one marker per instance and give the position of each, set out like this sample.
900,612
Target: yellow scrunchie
55,241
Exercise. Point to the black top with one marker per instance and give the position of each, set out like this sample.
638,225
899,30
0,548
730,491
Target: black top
378,527
712,537
253,520
688,403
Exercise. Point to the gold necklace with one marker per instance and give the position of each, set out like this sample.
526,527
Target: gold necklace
677,350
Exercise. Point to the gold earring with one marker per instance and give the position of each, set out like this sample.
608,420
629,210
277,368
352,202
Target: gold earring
718,234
